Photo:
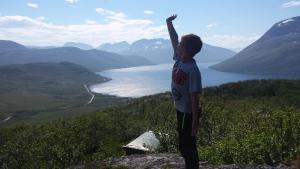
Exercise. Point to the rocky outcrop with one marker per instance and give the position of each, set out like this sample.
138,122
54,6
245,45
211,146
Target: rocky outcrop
162,161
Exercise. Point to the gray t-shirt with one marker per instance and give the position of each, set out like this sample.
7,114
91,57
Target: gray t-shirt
186,78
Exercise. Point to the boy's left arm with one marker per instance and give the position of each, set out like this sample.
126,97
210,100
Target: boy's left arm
196,110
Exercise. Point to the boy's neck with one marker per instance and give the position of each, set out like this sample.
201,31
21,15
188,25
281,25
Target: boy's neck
186,60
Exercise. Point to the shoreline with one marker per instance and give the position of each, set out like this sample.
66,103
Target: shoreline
210,81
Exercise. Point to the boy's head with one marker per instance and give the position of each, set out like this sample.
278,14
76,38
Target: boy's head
189,46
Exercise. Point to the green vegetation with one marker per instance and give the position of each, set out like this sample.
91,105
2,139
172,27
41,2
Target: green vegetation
45,91
245,122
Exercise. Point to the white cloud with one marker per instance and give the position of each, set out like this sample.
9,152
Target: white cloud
111,14
104,11
40,18
231,41
149,12
37,31
211,25
90,22
31,31
293,3
32,5
72,1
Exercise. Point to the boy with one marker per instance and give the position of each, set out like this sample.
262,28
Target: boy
186,87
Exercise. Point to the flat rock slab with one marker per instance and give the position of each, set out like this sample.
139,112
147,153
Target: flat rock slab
162,161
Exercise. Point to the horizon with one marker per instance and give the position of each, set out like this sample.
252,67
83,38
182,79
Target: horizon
97,46
235,26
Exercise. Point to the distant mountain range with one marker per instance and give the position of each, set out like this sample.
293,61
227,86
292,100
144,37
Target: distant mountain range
157,50
82,46
106,56
119,47
10,46
160,50
276,53
95,60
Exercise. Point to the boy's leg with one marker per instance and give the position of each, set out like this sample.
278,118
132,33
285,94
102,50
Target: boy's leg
187,143
192,159
179,131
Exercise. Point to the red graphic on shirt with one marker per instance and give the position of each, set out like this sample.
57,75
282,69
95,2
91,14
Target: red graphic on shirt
179,76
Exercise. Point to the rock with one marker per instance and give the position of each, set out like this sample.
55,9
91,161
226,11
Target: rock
155,161
162,161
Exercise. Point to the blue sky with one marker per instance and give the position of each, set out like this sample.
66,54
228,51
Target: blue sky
232,24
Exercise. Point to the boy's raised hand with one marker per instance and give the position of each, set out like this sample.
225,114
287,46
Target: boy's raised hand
171,18
172,32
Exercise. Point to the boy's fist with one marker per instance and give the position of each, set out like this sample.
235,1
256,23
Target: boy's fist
171,18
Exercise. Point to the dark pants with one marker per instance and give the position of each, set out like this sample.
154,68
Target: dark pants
187,143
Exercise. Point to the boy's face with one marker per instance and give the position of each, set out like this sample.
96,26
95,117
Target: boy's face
181,50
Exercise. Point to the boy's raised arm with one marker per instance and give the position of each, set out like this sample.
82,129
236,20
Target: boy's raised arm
172,32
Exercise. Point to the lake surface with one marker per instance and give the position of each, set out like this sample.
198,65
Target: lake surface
147,80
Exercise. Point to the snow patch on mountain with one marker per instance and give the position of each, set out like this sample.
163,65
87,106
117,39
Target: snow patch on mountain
286,21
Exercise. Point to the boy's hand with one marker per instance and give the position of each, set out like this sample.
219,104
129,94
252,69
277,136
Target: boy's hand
172,32
171,18
195,126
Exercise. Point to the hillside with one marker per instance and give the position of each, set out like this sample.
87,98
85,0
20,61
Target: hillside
95,60
10,45
251,122
45,90
276,53
160,50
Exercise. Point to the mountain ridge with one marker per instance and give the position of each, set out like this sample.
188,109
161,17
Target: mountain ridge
276,53
79,45
96,60
160,51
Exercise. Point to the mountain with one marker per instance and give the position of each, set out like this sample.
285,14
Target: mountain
276,53
115,47
41,47
42,71
95,60
82,46
150,44
29,90
10,45
160,50
211,53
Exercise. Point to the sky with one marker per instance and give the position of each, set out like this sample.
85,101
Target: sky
232,24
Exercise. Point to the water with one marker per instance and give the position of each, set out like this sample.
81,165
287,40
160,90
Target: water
148,80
